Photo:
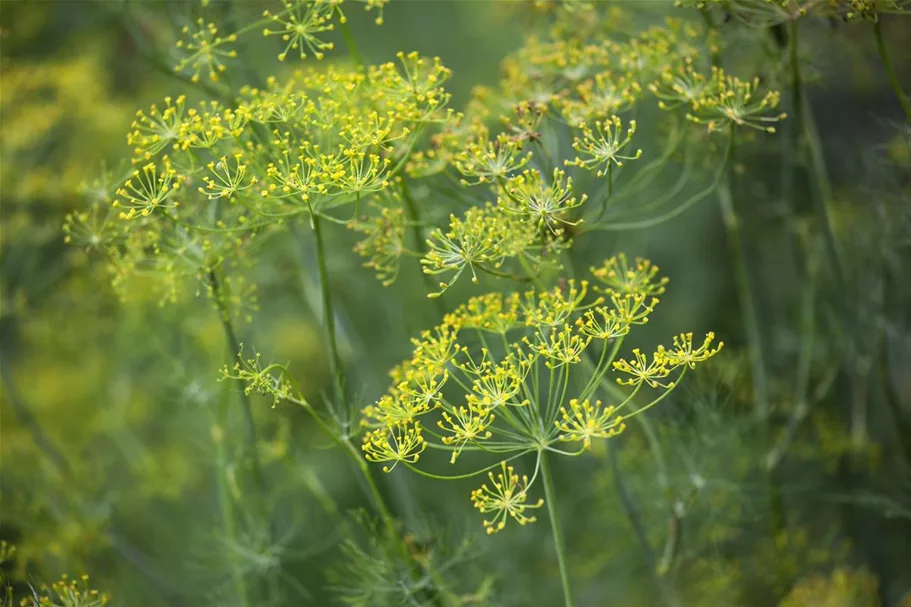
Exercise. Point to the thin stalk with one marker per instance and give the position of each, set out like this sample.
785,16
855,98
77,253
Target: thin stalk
335,360
414,217
890,69
234,347
377,497
550,496
750,319
747,300
806,126
335,365
351,44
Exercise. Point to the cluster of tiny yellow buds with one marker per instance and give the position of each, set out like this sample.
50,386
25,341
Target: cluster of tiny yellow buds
206,51
154,131
383,243
482,236
560,347
603,323
683,85
312,172
869,10
507,496
633,308
257,379
493,312
147,189
398,443
683,352
404,406
485,160
498,385
601,148
584,421
728,100
434,349
300,24
642,371
545,203
67,592
677,41
553,308
226,180
422,76
619,277
601,97
465,425
205,127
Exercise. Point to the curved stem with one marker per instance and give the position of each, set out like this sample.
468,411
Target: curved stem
551,497
335,360
890,69
689,202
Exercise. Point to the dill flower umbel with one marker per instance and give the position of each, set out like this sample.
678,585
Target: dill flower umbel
509,374
583,421
506,497
206,52
602,146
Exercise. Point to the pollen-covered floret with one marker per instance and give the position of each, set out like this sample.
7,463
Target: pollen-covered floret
601,148
683,352
617,276
728,100
506,497
641,370
545,202
584,421
148,188
206,51
399,443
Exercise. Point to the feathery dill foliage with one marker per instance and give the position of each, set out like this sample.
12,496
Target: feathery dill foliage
601,121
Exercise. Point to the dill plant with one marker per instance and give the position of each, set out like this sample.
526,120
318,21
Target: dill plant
488,205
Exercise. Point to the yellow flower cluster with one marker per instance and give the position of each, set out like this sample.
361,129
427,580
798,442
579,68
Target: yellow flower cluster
506,497
496,374
208,179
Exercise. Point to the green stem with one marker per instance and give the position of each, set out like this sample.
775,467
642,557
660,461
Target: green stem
414,217
807,128
745,296
234,347
377,497
335,360
335,365
890,69
551,497
351,44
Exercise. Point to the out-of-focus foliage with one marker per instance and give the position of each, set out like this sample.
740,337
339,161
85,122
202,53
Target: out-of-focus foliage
225,225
